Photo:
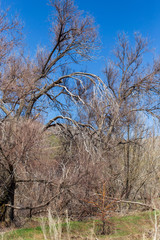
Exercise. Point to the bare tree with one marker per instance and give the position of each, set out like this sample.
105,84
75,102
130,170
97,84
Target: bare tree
31,87
26,83
19,149
117,108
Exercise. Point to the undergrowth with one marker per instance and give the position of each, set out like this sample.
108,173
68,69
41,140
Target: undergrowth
137,226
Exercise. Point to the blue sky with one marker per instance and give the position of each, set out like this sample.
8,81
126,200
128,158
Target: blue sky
112,17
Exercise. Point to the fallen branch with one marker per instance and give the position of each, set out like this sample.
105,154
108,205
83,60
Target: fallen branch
35,180
35,207
132,202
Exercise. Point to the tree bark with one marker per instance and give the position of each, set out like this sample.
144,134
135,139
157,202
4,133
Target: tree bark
11,199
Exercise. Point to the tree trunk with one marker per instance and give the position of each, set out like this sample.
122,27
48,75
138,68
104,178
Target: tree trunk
127,193
11,199
11,193
8,197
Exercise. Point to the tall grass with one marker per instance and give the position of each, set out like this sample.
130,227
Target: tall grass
154,232
1,236
52,229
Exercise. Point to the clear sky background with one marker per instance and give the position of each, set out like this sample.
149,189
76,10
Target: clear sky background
112,16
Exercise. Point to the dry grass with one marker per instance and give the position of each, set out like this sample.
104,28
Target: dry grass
139,226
